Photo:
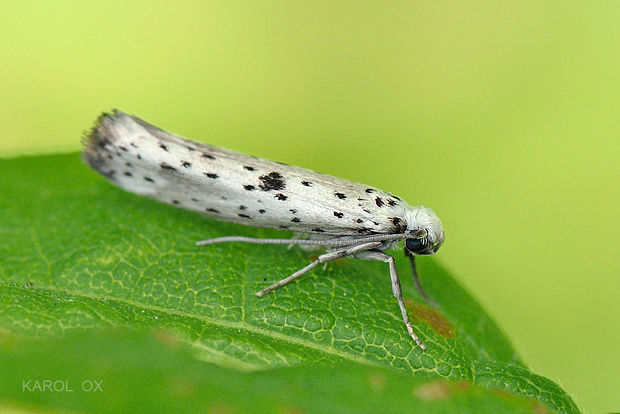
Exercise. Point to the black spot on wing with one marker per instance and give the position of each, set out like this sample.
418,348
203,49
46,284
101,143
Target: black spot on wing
249,187
242,207
168,167
379,202
399,224
318,230
211,175
207,156
246,167
359,221
306,183
295,220
370,190
212,210
280,196
164,147
103,143
292,210
186,164
176,202
391,202
149,179
340,195
272,181
245,216
127,174
338,214
123,148
262,211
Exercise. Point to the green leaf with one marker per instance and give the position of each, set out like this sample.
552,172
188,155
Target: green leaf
160,376
78,255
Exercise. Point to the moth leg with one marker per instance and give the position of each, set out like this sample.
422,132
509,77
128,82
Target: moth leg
307,236
324,258
396,288
416,280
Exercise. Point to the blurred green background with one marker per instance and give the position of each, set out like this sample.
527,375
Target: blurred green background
504,117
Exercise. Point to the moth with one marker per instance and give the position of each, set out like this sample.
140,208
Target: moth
346,218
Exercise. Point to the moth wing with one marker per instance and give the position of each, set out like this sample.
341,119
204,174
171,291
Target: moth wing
232,186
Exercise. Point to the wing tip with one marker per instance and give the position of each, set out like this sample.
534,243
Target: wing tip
95,135
95,139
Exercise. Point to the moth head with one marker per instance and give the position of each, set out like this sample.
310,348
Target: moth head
424,231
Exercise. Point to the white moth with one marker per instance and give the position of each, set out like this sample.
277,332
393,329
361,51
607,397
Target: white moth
350,219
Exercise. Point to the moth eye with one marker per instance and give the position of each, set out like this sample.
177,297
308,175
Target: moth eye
418,246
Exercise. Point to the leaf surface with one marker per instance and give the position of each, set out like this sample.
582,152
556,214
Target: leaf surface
79,255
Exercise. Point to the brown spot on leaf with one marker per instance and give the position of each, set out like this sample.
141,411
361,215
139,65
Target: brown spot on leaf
432,317
536,407
377,382
221,407
539,408
439,390
9,340
291,409
167,339
181,387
